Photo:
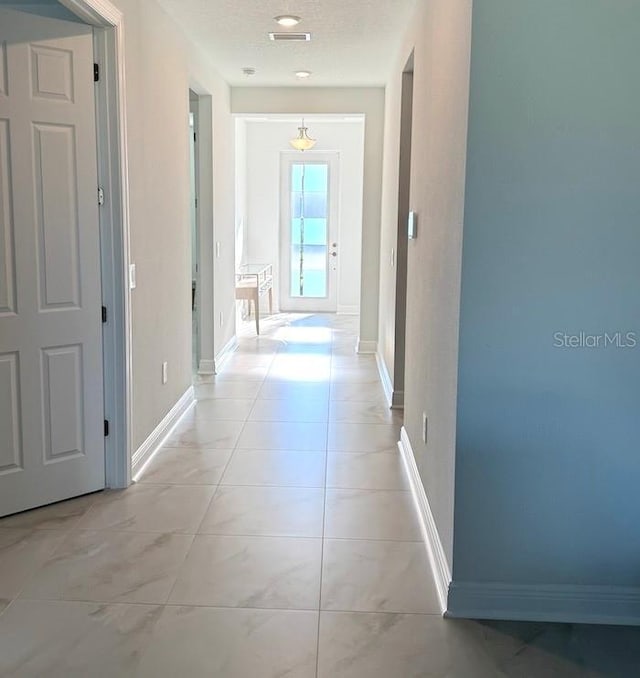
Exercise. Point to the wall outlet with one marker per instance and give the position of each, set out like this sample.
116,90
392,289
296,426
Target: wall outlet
425,427
165,373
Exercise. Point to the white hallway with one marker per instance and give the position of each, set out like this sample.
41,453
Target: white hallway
274,535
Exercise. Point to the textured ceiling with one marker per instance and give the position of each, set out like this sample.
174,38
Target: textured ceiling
353,42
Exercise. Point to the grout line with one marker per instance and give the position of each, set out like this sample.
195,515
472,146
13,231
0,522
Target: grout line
87,601
324,519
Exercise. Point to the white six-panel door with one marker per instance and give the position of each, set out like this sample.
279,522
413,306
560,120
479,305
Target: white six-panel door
51,400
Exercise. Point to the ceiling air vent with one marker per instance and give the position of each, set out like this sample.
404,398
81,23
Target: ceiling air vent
290,37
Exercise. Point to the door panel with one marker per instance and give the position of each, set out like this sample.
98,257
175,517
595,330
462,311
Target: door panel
7,274
10,420
51,401
308,245
57,217
62,379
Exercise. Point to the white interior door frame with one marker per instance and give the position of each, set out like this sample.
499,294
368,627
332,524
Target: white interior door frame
113,175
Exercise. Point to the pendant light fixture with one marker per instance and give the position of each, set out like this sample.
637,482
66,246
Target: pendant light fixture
303,142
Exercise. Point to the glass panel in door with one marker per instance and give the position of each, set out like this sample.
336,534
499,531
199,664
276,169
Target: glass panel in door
309,241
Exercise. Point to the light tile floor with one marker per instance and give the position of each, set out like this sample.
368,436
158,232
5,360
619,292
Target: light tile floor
274,535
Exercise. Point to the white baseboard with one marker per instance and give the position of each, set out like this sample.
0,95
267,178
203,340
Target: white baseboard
437,559
143,455
385,378
225,353
207,367
397,400
394,398
366,347
562,603
345,309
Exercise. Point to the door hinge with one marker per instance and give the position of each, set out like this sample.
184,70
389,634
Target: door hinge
100,195
96,72
104,314
106,428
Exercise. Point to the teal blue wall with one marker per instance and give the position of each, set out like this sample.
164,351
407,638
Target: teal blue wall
548,439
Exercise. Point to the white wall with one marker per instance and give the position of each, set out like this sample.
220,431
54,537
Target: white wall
265,142
321,100
161,66
440,33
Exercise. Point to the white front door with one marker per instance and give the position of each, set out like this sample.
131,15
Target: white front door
51,400
309,249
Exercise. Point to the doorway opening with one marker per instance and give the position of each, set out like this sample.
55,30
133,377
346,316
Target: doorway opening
195,240
404,201
312,236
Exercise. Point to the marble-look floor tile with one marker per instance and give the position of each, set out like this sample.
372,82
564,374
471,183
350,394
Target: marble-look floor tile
59,639
300,411
381,645
265,572
371,514
353,361
355,412
314,368
267,511
293,390
305,351
362,437
105,566
221,409
232,643
150,508
362,392
269,435
21,553
234,372
377,576
311,334
61,516
206,434
360,374
278,468
4,604
241,359
228,389
366,470
355,645
186,466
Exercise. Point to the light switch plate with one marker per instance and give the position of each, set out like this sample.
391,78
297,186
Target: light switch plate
412,226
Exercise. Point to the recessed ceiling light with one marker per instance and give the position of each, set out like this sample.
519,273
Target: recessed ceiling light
303,74
287,20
